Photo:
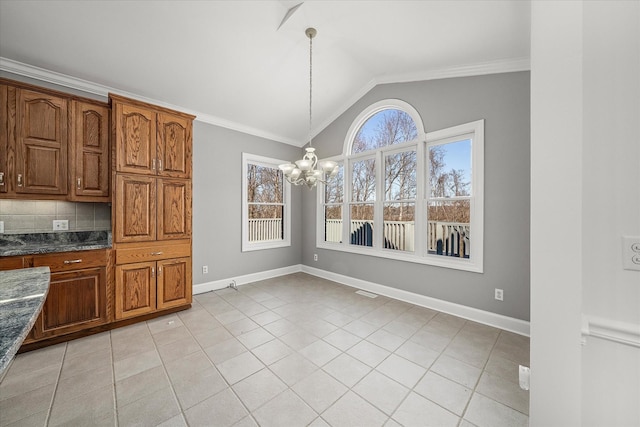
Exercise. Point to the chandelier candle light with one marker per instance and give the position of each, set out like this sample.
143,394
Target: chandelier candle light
308,171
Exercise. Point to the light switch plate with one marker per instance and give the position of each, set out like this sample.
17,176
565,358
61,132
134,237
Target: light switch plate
1,227
631,252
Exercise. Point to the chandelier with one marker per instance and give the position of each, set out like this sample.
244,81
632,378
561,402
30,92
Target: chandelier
308,171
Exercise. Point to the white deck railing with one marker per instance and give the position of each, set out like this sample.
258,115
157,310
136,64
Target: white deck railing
265,229
453,236
444,238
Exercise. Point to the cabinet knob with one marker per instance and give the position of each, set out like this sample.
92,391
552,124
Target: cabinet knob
72,261
156,253
153,272
19,180
160,165
79,183
159,271
1,178
153,164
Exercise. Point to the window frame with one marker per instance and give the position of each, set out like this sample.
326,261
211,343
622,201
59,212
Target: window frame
475,263
248,246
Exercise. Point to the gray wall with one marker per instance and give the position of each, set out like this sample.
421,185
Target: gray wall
503,101
217,205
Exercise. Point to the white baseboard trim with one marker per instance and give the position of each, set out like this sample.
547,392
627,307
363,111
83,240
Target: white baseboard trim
244,279
610,330
511,324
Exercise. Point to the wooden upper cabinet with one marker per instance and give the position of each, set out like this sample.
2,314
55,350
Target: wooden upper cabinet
174,146
135,208
151,140
90,152
135,133
174,209
41,143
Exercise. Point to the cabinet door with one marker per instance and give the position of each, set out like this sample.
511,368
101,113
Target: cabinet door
135,206
174,209
90,152
4,138
76,300
41,143
135,289
135,139
174,282
174,146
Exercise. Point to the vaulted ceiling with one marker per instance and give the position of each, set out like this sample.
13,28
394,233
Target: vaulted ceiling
237,64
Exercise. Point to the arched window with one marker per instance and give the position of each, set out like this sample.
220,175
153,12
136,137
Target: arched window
385,127
404,194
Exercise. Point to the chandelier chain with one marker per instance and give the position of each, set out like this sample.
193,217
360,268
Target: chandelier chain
310,84
308,170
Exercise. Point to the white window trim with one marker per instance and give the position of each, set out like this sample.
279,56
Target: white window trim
473,264
248,246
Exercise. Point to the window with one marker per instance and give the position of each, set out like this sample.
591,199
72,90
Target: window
333,199
266,210
403,194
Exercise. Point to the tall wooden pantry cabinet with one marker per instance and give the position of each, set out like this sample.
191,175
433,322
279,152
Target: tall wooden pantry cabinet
152,161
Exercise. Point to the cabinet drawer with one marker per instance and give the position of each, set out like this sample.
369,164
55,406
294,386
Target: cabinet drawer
11,263
67,261
152,251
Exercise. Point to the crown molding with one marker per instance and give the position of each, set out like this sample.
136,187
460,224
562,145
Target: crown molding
64,80
469,70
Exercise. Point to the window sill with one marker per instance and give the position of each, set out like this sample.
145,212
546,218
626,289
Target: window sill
434,260
249,247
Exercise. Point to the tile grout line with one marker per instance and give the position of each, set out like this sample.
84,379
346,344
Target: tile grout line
229,386
411,389
164,369
113,377
484,371
473,391
55,389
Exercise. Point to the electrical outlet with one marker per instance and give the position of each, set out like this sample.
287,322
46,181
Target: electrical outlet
524,377
60,224
315,257
205,269
499,295
1,227
631,252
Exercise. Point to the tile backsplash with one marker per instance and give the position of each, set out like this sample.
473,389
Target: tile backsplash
36,216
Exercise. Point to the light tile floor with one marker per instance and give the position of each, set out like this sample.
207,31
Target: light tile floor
291,351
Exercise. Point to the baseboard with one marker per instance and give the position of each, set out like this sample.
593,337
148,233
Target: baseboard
244,279
511,324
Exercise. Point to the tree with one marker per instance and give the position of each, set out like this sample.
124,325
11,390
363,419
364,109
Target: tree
447,185
264,192
385,128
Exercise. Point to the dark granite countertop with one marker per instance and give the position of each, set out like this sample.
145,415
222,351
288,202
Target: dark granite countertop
22,294
44,243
